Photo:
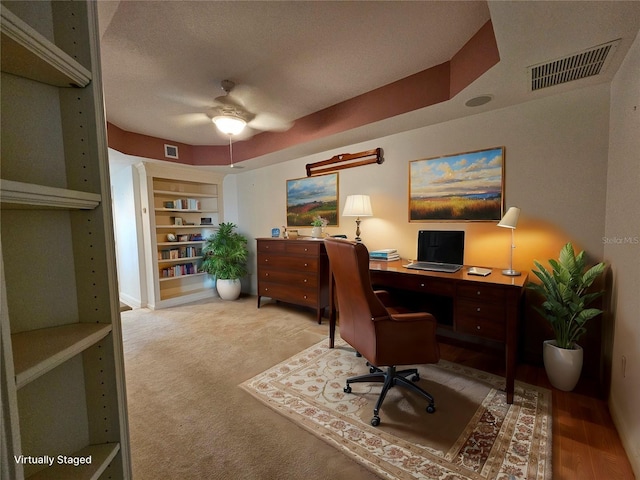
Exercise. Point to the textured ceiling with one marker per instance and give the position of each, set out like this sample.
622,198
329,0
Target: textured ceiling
163,61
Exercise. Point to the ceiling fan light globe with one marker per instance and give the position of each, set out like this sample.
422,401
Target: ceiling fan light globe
229,124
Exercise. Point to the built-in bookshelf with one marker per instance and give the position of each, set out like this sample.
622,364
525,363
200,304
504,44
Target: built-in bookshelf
184,206
61,370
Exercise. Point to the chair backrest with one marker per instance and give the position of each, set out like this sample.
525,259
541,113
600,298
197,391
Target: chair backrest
357,303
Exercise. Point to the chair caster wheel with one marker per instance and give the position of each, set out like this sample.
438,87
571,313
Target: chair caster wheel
372,370
431,409
347,389
375,421
416,378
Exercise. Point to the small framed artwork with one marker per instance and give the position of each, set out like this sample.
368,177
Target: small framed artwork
312,197
177,220
462,187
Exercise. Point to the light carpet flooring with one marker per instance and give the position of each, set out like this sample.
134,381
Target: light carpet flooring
188,417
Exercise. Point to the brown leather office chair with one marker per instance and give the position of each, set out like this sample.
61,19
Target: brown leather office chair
384,335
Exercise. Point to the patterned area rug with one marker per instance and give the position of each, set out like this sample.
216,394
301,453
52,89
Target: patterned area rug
474,433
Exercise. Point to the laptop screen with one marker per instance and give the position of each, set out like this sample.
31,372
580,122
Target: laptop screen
441,246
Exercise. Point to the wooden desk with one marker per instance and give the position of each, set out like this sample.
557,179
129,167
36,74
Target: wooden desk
482,307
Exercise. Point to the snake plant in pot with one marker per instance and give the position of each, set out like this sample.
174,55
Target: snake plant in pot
566,295
225,257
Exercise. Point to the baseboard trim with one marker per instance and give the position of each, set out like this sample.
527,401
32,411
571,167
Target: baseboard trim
131,301
630,447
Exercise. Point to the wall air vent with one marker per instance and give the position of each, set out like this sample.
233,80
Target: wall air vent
588,63
170,151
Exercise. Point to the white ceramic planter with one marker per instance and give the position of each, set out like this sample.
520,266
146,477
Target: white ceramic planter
228,289
563,366
316,232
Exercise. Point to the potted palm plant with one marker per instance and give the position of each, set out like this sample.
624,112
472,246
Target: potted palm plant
566,295
225,257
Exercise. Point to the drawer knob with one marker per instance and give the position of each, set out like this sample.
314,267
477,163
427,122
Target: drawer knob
266,274
305,297
306,249
422,284
478,327
478,292
478,309
306,264
305,280
266,289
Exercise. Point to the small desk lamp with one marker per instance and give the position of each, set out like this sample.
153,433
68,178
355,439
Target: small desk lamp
510,220
357,206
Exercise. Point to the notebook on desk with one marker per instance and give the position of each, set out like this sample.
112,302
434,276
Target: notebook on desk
439,251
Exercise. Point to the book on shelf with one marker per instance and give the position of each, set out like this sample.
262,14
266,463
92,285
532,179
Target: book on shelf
179,270
387,254
183,204
182,252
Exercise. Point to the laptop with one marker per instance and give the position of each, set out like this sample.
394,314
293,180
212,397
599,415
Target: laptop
439,251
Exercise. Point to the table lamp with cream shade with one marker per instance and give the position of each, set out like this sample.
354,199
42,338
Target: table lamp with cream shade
510,220
357,206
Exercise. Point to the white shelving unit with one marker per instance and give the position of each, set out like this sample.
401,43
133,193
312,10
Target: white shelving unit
175,203
61,364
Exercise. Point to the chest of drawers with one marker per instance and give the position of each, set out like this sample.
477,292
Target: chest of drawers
294,271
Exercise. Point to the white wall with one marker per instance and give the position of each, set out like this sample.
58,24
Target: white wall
622,250
127,227
555,169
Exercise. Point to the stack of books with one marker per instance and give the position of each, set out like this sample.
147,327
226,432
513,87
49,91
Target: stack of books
385,254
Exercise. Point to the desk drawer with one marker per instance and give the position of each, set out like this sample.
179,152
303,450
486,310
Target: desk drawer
481,319
289,293
293,262
481,292
415,283
271,275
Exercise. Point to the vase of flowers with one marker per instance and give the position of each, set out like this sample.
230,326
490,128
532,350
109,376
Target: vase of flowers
318,225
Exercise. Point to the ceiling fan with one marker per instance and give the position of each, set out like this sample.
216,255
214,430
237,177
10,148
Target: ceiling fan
231,114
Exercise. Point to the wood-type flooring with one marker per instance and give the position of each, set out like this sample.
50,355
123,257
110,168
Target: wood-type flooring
586,444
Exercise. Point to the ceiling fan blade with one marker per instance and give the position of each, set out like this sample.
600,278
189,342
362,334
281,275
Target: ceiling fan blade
270,122
230,100
192,118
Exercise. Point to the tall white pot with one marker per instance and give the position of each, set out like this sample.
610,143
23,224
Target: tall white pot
563,366
228,289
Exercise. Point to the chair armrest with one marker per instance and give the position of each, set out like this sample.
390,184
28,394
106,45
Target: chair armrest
413,317
384,297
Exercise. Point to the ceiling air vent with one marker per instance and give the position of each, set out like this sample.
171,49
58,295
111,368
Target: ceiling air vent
573,67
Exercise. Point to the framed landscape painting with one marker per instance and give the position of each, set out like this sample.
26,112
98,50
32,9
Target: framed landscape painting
310,197
461,187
